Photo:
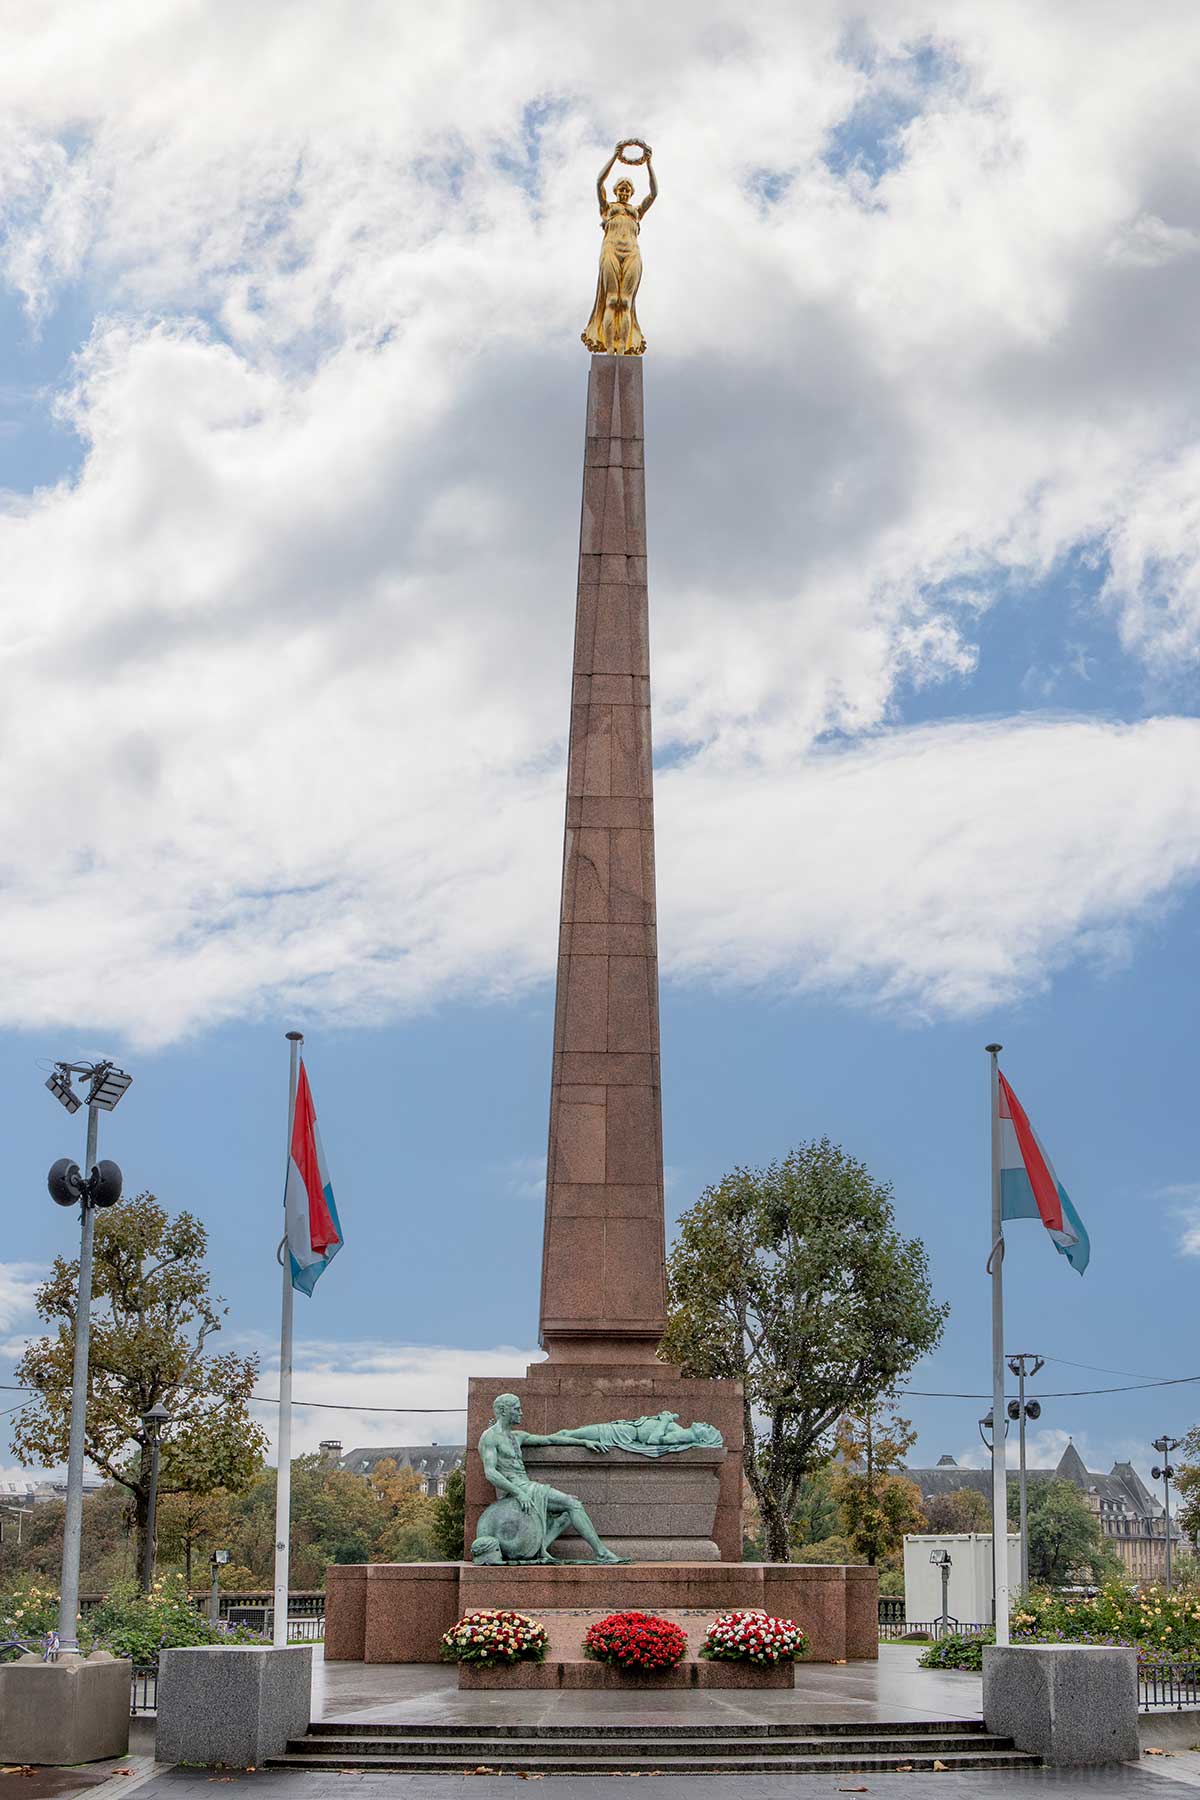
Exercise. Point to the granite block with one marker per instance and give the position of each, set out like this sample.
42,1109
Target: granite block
231,1704
72,1711
579,1142
1074,1705
585,1026
628,1003
345,1611
632,1152
410,1606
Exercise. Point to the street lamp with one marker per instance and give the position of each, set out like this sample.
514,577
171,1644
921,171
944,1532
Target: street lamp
100,1186
216,1563
1164,1445
942,1559
1023,1409
154,1420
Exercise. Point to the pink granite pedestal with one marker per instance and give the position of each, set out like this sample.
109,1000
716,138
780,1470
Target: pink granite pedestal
397,1612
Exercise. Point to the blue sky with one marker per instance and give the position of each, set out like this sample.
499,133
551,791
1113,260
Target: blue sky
290,421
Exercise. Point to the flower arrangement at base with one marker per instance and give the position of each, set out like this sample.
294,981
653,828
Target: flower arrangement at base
753,1636
495,1637
637,1642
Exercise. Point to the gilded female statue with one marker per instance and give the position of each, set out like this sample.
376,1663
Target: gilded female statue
613,326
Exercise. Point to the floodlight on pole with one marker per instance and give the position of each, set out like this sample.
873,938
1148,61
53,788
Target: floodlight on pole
98,1184
1164,1445
60,1086
109,1084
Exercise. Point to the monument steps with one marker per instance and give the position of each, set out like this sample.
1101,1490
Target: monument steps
844,1747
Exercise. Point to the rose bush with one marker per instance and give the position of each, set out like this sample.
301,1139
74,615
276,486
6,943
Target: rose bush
640,1643
491,1636
753,1636
128,1622
1158,1624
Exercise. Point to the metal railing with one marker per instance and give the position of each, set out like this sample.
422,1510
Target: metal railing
1168,1686
891,1629
143,1696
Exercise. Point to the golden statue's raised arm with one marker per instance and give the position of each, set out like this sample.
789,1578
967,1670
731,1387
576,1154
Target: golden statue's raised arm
613,327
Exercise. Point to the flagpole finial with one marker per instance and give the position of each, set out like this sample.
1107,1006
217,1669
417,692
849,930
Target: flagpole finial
294,1037
993,1049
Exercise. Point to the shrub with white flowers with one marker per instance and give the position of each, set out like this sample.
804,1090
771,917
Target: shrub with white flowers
753,1636
495,1637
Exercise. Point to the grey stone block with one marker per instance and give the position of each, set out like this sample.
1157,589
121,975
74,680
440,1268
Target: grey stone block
74,1710
1072,1704
232,1704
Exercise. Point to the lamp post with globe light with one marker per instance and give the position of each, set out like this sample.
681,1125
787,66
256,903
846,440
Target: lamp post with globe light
99,1186
1164,1445
154,1420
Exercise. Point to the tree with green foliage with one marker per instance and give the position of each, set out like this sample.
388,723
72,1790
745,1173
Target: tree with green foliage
450,1519
878,1504
152,1317
815,1513
1066,1544
794,1281
1187,1482
965,1509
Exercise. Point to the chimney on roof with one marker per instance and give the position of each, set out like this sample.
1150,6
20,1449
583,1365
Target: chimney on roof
330,1450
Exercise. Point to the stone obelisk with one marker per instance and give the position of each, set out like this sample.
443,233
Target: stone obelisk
603,1296
603,1302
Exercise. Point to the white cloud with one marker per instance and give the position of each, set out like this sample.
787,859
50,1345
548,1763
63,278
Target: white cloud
354,1378
284,668
1183,1206
19,1282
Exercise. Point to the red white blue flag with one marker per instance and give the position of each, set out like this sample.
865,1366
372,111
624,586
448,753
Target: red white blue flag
1029,1187
314,1232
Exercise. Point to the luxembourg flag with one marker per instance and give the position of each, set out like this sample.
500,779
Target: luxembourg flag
314,1233
1029,1188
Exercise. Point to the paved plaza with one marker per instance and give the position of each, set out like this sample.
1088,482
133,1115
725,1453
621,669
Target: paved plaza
894,1689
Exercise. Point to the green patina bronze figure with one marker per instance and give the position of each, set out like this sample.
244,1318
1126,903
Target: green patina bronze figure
657,1434
529,1515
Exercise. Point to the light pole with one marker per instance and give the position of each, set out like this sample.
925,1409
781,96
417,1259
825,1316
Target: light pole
986,1424
101,1186
154,1420
942,1559
1023,1409
216,1563
1164,1445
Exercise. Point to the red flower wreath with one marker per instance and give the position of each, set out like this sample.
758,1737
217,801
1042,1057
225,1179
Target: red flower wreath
637,1642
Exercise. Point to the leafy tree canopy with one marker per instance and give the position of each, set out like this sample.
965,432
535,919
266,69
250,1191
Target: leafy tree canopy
794,1280
152,1317
1065,1540
966,1509
878,1504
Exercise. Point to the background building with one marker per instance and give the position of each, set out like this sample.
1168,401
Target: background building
432,1463
1130,1518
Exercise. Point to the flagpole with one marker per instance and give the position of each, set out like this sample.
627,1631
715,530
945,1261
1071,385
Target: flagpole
283,1478
999,1464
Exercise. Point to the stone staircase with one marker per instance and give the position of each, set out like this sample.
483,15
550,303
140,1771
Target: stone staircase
854,1748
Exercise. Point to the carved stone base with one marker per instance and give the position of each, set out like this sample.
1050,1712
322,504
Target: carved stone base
397,1612
664,1499
646,1509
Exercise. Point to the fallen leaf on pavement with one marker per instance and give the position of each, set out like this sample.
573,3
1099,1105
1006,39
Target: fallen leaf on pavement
905,1769
940,1765
854,1790
1157,1753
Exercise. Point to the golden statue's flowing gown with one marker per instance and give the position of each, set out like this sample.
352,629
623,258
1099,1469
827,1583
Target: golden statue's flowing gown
613,326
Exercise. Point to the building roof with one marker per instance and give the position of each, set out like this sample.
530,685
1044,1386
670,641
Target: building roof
1122,1490
426,1459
